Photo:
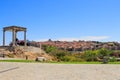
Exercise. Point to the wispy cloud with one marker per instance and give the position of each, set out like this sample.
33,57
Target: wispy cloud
95,38
86,38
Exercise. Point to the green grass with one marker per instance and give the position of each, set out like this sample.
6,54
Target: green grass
75,62
17,61
32,61
82,62
114,62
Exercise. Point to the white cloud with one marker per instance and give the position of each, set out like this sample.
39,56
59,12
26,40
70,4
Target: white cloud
86,38
41,40
95,38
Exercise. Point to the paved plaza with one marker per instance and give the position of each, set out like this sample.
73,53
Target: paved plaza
45,71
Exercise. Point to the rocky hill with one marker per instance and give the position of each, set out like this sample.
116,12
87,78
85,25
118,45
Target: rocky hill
22,52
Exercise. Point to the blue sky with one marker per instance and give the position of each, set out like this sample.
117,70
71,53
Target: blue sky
62,19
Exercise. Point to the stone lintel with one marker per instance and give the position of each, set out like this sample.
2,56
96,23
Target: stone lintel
16,28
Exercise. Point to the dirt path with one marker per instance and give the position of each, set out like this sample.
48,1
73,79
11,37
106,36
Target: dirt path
38,71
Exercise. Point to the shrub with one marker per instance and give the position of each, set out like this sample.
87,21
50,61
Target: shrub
90,55
103,52
50,49
112,59
69,58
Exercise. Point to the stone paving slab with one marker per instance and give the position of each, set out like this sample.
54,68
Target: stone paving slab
44,71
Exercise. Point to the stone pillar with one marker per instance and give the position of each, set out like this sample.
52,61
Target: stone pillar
25,38
3,37
13,37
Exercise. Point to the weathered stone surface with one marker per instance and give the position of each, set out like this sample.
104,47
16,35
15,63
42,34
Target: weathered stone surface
40,59
22,52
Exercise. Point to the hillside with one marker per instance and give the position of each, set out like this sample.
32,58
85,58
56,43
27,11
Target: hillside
22,52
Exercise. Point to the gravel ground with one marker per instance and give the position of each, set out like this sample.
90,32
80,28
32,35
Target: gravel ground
44,71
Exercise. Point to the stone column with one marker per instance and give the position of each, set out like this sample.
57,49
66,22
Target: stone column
13,37
25,38
3,37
